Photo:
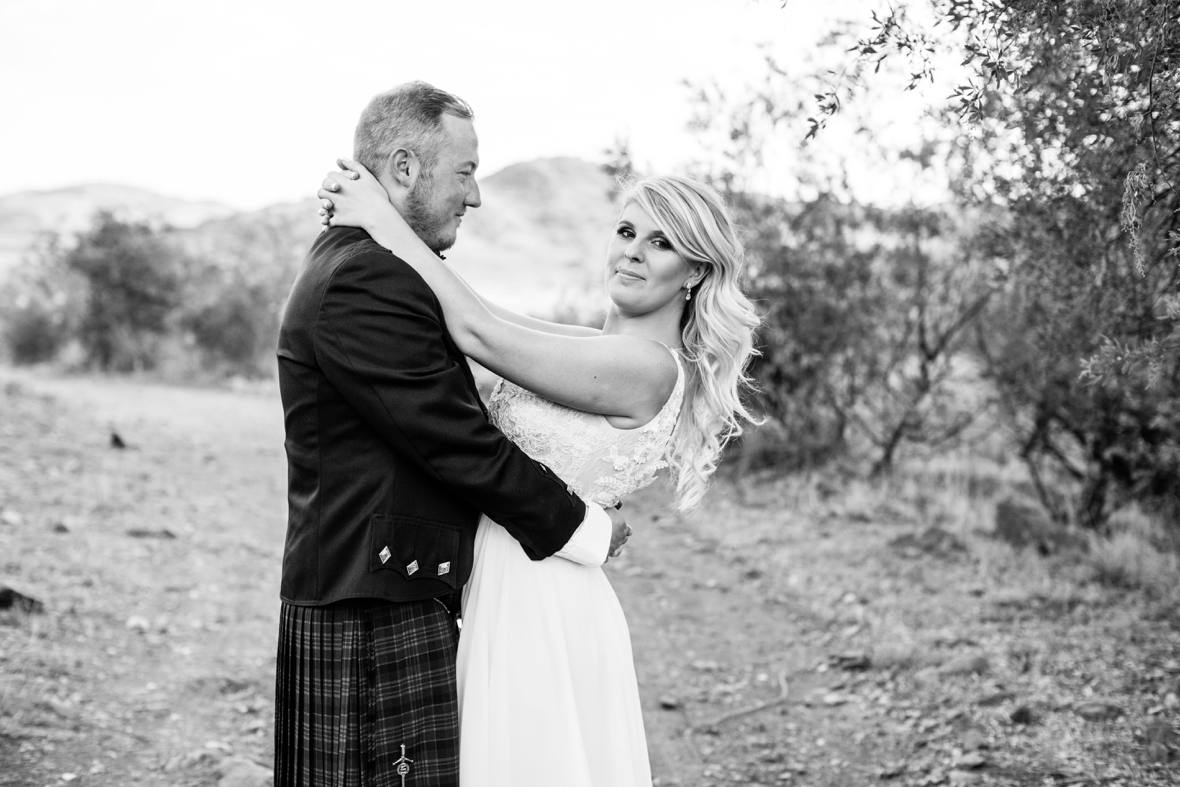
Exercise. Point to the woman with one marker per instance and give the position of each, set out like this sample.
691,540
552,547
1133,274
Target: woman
547,687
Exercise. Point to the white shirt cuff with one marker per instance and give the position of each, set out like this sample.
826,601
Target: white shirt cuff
591,541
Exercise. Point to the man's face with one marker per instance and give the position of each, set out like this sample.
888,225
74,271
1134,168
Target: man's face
438,200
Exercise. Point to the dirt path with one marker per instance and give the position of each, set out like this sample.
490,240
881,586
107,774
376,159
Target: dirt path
780,640
158,566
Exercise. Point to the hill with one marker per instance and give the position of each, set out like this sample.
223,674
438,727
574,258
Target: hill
26,216
540,235
537,239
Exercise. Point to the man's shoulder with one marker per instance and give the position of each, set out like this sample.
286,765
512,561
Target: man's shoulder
352,252
348,263
340,245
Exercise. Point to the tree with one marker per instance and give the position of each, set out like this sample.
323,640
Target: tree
132,280
1083,98
867,309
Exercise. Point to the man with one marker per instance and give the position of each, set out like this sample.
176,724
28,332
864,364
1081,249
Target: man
391,459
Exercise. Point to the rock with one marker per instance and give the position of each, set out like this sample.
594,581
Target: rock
139,532
852,662
994,698
1161,743
138,623
970,761
1022,525
1022,714
932,541
14,599
60,527
240,772
192,759
936,776
1098,710
973,739
670,703
10,517
966,665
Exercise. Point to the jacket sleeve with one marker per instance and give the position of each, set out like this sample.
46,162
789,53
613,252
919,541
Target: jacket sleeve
379,340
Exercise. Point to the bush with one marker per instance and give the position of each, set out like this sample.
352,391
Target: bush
233,321
34,332
132,280
36,320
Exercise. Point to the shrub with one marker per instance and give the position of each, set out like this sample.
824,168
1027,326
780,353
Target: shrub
36,320
132,280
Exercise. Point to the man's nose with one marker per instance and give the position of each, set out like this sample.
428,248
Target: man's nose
473,199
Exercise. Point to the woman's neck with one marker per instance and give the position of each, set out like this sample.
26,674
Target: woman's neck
662,326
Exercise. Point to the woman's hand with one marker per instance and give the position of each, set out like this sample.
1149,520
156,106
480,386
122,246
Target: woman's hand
352,197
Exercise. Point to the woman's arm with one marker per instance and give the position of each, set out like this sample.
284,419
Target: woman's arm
537,324
374,212
615,375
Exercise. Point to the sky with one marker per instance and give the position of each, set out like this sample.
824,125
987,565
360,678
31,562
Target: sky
248,102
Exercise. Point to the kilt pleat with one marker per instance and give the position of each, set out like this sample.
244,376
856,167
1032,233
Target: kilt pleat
357,682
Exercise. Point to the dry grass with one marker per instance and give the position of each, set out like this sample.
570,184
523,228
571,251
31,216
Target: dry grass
1131,556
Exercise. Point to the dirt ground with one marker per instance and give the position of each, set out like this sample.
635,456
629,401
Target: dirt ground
810,631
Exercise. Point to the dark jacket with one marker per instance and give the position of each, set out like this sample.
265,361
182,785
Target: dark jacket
390,455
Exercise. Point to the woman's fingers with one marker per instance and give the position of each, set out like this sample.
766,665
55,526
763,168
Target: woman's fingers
350,168
332,186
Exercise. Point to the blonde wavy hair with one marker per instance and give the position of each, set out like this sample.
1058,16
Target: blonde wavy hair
717,328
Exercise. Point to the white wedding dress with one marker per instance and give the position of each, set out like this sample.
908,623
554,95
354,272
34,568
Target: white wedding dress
547,688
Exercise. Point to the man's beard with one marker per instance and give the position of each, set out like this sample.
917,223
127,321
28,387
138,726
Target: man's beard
427,225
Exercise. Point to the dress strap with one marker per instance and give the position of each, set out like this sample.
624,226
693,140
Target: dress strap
678,388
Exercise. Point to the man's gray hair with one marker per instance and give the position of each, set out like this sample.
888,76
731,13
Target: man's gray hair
408,116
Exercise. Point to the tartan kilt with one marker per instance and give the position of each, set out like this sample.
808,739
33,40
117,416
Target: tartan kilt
357,681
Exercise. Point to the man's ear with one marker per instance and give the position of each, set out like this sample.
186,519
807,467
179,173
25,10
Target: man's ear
404,167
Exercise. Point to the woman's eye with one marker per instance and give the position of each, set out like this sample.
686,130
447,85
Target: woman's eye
661,243
624,232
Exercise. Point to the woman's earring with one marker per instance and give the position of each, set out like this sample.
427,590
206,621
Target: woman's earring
687,294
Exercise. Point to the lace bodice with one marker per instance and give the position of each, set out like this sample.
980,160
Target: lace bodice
600,462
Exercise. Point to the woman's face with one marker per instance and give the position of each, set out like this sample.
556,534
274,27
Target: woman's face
644,272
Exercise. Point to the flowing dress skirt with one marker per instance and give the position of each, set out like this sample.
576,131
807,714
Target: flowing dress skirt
547,687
